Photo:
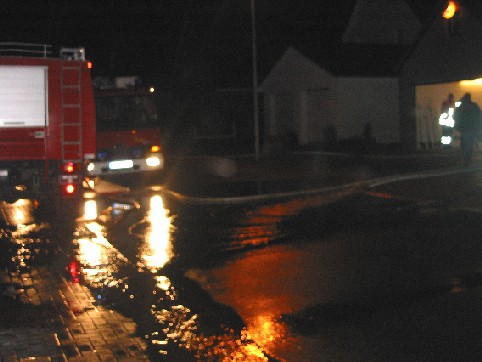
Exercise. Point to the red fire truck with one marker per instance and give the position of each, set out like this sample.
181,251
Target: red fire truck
47,117
128,129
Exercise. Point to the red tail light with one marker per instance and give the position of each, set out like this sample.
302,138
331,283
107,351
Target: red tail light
70,189
70,167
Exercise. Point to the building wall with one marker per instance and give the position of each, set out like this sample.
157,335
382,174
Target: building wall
303,99
373,101
446,52
319,113
295,96
293,73
305,113
347,106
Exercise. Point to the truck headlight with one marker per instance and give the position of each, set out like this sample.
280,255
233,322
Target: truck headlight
153,161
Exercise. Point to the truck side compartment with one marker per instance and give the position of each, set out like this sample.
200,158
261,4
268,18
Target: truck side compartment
47,118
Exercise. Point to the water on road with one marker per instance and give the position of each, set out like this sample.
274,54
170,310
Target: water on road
366,276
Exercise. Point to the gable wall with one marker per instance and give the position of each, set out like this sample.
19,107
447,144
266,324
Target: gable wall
294,72
347,105
439,58
298,99
373,101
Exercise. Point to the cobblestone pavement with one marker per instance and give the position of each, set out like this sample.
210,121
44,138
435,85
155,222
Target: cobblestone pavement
52,319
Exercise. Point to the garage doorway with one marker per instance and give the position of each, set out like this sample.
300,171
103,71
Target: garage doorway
429,99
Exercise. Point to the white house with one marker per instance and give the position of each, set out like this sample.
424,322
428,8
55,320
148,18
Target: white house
347,86
304,98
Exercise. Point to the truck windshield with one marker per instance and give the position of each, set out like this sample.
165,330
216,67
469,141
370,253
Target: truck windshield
125,112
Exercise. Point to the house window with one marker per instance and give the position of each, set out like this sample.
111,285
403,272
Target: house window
450,14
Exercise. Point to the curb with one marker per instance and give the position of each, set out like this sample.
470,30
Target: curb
263,197
351,187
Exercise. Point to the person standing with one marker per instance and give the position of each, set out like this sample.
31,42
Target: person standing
467,119
448,103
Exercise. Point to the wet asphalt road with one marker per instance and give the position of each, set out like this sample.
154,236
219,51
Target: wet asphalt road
388,274
392,273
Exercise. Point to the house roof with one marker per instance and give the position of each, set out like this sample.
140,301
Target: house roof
358,59
217,48
473,6
352,59
368,49
422,8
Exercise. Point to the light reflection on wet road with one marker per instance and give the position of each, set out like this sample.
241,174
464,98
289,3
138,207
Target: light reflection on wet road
241,283
262,285
24,240
172,265
204,331
155,231
245,283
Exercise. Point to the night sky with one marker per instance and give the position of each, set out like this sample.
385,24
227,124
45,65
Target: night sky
169,41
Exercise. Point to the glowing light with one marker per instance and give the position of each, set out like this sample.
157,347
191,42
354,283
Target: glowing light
90,184
70,189
74,270
90,210
153,161
446,140
447,119
19,215
122,164
266,332
90,167
69,167
90,252
152,90
155,148
471,82
450,11
157,250
156,203
163,282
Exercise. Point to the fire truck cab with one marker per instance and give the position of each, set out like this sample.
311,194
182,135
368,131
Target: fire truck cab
128,128
47,117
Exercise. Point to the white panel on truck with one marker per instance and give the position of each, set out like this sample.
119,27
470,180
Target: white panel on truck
23,96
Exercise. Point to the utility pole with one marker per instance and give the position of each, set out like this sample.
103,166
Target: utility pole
255,82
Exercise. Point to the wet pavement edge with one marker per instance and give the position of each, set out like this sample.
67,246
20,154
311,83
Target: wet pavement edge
62,322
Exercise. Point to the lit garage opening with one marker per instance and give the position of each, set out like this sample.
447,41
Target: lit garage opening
429,99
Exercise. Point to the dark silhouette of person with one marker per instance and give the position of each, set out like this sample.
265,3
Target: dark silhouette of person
467,119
